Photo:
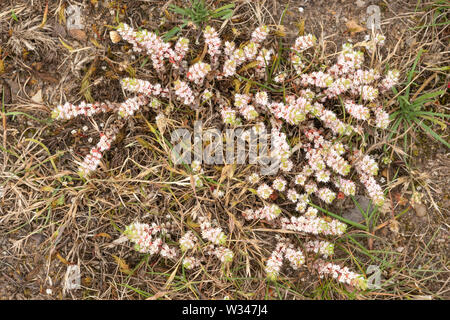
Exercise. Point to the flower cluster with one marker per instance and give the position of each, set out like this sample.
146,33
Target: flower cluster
225,255
215,235
316,90
68,111
241,102
187,241
260,34
150,239
264,191
191,262
92,160
343,275
357,111
268,212
281,151
367,168
229,116
382,118
198,71
324,248
213,42
149,42
183,92
390,80
313,225
283,250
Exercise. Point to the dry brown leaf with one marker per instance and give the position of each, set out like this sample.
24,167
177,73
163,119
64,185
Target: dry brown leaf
353,27
102,234
37,98
123,266
161,123
386,207
60,258
249,66
400,199
394,226
281,31
157,295
2,66
201,55
236,32
44,18
191,223
78,34
301,27
227,172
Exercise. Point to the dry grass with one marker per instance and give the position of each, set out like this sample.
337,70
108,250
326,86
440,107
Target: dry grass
50,218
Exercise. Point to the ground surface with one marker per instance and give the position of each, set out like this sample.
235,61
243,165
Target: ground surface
49,220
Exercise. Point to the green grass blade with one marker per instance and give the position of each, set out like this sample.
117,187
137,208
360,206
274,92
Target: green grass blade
430,131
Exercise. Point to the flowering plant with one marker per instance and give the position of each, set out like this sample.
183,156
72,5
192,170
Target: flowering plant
342,98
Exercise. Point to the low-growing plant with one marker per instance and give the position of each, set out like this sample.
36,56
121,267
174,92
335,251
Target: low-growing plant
321,108
198,13
411,113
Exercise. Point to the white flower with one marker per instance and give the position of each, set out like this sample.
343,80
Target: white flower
260,34
279,184
198,71
253,178
326,195
304,42
183,92
382,118
198,181
215,235
187,241
190,262
262,98
301,207
217,193
264,191
311,212
369,93
300,179
229,116
293,195
280,78
196,166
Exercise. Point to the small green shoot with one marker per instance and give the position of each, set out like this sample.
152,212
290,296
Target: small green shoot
198,13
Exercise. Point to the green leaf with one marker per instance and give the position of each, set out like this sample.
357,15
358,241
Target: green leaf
433,114
171,33
350,222
228,6
432,133
411,73
13,15
178,10
428,96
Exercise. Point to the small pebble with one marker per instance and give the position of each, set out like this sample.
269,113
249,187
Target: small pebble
421,210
